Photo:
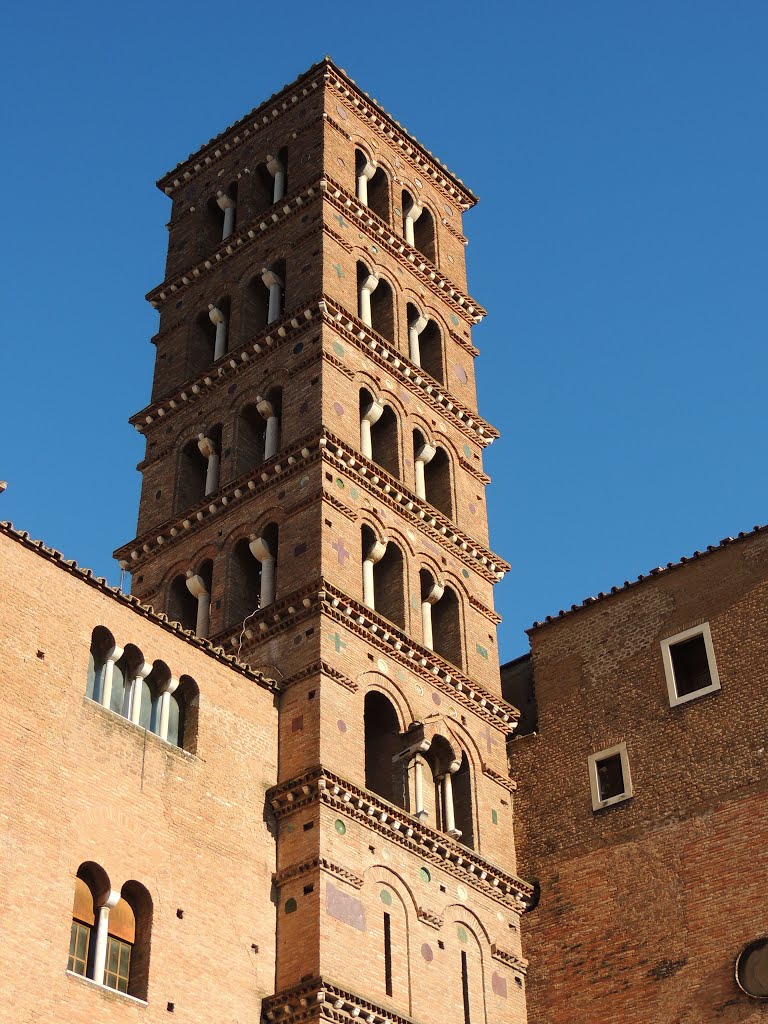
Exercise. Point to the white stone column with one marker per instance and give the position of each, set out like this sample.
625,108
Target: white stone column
418,788
363,177
220,321
261,552
196,587
208,450
371,415
106,903
424,455
449,820
415,327
410,216
271,437
228,205
136,691
275,285
434,594
106,680
375,554
367,287
276,168
165,707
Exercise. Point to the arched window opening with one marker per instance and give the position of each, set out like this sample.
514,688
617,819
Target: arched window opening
258,431
437,482
382,732
152,689
423,453
198,468
443,761
421,790
244,589
379,433
183,711
411,211
129,673
431,350
221,213
383,577
372,185
91,888
102,647
255,307
277,167
446,627
376,304
462,802
424,235
130,928
182,606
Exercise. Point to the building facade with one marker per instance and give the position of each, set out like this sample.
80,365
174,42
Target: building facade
641,809
283,757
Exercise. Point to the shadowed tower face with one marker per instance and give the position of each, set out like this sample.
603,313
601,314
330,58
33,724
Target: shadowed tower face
313,501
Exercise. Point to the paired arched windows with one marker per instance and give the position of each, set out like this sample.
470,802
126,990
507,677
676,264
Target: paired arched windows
199,465
263,299
209,335
440,618
432,474
379,433
376,303
221,215
146,694
258,431
190,599
383,577
419,227
372,185
110,933
252,574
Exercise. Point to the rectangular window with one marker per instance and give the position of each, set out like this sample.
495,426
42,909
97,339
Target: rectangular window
79,940
388,954
689,665
118,964
609,777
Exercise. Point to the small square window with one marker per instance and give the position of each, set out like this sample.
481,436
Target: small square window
689,665
609,777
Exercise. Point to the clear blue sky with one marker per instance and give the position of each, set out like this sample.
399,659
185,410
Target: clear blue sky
620,153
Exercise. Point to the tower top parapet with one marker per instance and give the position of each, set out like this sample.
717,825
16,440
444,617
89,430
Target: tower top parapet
323,71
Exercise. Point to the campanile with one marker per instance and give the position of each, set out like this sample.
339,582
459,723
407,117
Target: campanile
313,502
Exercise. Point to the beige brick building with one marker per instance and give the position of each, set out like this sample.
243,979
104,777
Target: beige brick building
274,781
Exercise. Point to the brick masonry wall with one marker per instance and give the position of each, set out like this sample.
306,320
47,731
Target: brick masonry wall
81,783
645,905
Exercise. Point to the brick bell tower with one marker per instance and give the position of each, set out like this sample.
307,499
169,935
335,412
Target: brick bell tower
313,502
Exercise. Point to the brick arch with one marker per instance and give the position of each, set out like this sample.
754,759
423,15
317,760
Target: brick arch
401,960
364,378
459,914
373,680
209,551
274,514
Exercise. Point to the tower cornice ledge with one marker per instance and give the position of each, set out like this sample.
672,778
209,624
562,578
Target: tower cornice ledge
320,998
433,278
437,526
388,638
292,326
319,784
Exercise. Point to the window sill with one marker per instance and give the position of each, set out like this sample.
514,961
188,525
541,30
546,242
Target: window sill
106,989
675,701
614,800
117,717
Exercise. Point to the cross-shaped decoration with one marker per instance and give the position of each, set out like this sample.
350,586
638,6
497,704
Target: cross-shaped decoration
339,272
338,643
341,551
489,738
339,217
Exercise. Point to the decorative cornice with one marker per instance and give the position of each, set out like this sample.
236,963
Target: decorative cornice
381,633
398,826
317,668
291,327
509,959
501,780
433,920
320,998
407,255
437,526
295,871
128,600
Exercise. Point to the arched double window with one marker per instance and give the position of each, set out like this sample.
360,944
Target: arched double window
258,431
263,299
440,619
432,474
252,581
383,577
439,790
221,215
376,302
110,932
209,337
379,433
146,694
372,185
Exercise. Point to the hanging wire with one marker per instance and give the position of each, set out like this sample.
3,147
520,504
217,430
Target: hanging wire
242,632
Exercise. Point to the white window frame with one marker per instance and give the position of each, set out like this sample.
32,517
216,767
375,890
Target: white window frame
594,781
703,631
